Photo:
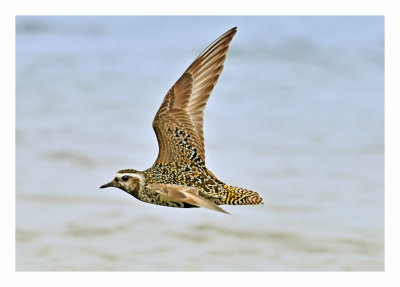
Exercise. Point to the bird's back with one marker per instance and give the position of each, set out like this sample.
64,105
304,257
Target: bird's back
211,188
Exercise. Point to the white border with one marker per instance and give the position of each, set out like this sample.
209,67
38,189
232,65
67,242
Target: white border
338,7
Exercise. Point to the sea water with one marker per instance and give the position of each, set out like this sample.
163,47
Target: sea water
297,115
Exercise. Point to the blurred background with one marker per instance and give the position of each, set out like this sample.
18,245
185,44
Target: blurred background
297,115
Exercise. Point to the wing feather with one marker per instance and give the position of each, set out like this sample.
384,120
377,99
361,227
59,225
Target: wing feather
178,123
186,194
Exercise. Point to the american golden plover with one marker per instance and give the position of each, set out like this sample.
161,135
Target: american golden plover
179,177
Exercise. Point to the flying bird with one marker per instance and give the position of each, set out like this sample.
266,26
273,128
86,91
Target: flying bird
179,177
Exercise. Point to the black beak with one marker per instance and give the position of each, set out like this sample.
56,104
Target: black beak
110,184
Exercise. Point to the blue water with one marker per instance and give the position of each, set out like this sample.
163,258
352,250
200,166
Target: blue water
297,115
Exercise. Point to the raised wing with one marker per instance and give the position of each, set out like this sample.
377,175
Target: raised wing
178,123
185,194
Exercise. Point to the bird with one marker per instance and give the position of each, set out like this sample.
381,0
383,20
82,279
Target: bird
179,176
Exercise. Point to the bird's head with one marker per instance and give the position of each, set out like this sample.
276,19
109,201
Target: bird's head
129,180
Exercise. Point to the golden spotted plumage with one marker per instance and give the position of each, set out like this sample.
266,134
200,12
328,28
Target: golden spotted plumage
179,176
198,176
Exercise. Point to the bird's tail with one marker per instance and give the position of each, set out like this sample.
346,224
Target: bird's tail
240,196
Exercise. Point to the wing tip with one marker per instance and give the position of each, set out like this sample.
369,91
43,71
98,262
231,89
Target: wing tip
229,34
232,31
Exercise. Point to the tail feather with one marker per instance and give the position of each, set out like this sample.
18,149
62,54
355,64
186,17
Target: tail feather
241,196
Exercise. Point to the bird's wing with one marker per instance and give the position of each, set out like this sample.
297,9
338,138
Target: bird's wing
186,194
178,123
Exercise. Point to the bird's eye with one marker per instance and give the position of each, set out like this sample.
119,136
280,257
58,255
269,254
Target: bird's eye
125,177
